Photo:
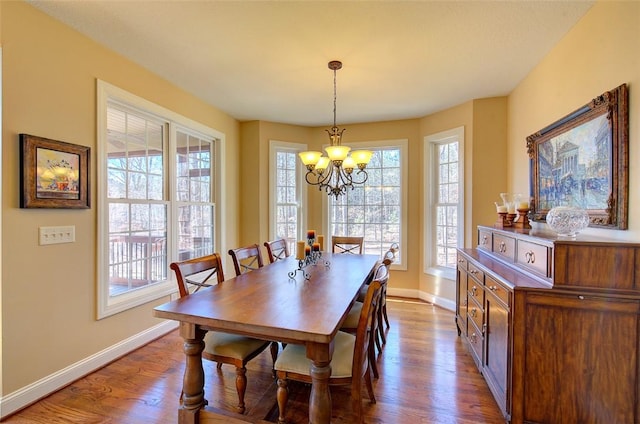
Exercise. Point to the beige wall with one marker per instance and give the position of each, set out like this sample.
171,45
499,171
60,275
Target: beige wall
485,127
601,52
49,292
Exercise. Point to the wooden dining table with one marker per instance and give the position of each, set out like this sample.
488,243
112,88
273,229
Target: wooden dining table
268,304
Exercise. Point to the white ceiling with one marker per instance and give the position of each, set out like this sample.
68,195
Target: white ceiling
267,60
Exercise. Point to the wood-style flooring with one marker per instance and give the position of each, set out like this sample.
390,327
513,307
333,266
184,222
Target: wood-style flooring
426,376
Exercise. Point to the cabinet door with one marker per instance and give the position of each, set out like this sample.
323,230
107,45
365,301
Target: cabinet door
461,301
580,359
497,352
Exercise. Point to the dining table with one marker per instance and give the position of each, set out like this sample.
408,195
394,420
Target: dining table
288,301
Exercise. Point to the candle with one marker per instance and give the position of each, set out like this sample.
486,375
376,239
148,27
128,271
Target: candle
316,247
300,250
311,234
511,208
501,209
321,241
307,250
523,205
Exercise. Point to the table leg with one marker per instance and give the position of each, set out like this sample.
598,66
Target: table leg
320,397
193,382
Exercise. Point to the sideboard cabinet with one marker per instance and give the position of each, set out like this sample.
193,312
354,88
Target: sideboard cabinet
553,324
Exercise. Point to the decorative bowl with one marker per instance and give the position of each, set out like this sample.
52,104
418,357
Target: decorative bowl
567,220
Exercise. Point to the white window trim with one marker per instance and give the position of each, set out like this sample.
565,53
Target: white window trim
106,305
275,145
403,144
429,176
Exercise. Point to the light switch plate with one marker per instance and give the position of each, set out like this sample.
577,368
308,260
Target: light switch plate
56,235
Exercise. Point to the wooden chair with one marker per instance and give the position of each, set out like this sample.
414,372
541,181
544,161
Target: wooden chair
343,244
220,347
349,365
350,324
277,249
246,259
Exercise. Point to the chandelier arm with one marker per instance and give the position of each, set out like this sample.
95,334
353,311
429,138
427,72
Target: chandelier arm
364,179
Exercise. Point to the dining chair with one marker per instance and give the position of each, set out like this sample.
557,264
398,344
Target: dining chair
277,249
349,365
220,347
246,259
344,244
350,324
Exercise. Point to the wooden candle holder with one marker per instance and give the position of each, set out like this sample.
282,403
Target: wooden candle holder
505,220
522,221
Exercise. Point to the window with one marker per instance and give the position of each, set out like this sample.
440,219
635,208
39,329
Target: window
287,198
156,185
444,178
376,210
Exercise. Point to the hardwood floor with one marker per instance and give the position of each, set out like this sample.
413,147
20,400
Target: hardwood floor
426,376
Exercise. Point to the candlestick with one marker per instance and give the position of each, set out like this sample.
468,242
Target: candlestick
321,241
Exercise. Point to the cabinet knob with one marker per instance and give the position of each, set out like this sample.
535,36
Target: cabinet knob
460,261
530,257
485,239
473,312
503,247
474,289
493,288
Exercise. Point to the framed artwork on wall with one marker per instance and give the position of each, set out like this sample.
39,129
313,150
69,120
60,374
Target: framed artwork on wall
53,174
583,160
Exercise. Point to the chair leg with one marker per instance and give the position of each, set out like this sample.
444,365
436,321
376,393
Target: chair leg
274,351
384,313
219,366
241,387
383,338
369,385
282,395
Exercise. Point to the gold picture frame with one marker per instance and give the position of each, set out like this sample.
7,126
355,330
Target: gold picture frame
583,160
53,174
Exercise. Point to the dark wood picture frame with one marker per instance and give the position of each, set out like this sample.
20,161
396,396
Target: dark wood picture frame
53,174
583,160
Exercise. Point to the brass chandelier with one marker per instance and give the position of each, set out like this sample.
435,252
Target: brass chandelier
334,172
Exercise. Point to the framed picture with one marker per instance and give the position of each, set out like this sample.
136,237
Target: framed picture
583,160
53,174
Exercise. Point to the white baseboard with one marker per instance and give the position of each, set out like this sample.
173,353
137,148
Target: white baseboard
45,386
444,303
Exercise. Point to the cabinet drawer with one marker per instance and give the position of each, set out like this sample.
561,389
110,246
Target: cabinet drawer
476,341
484,239
475,272
533,257
475,291
499,290
505,247
462,263
475,313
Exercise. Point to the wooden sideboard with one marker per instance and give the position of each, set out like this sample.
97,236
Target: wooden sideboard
553,324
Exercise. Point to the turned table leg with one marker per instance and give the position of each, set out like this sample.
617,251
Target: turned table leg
193,382
320,397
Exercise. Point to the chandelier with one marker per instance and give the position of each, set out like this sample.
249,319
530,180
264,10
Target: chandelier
334,172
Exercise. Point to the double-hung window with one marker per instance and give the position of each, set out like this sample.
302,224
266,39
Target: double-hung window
444,200
287,200
157,198
376,210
